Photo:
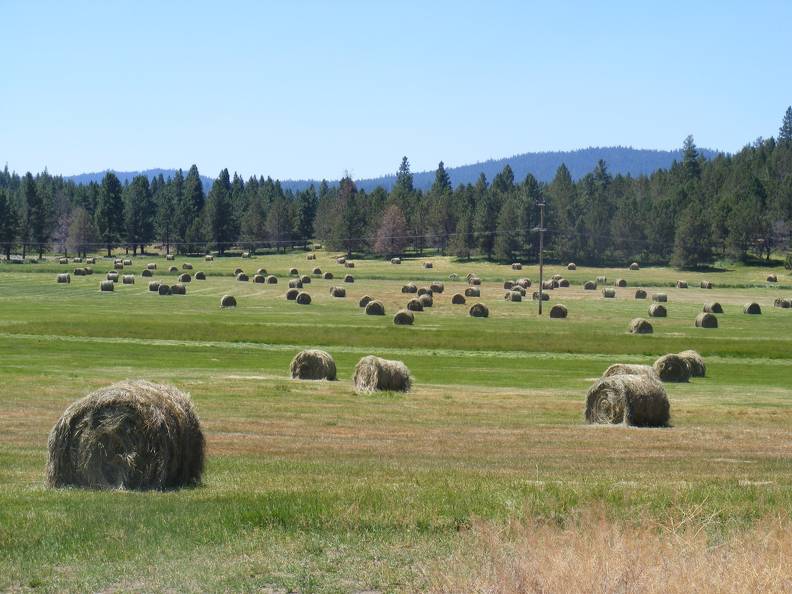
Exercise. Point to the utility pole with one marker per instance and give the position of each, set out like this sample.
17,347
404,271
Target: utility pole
541,230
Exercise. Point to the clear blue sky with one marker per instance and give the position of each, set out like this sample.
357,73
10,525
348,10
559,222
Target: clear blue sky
310,89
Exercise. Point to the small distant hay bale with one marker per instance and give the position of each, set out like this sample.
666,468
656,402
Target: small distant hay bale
660,298
364,301
129,279
630,369
242,277
374,374
641,326
404,317
559,311
291,294
208,258
77,260
620,282
271,279
549,285
293,272
164,289
317,271
472,292
178,289
238,271
132,435
415,305
513,296
151,266
295,283
516,266
658,310
88,271
525,283
479,310
714,307
695,362
313,364
337,292
396,261
170,257
601,280
458,299
64,278
589,286
634,400
557,277
187,266
79,272
772,278
303,298
519,289
173,269
154,286
246,254
453,276
508,285
200,275
563,283
349,264
328,275
437,287
609,292
752,309
640,294
112,276
706,285
706,320
341,260
311,257
634,266
672,368
118,265
474,280
428,265
375,308
107,285
349,278
147,273
426,300
185,278
543,296
680,284
228,301
305,279
127,262
262,271
90,260
424,291
571,266
409,288
782,302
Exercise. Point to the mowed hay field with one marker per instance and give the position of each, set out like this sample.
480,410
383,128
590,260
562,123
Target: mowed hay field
309,487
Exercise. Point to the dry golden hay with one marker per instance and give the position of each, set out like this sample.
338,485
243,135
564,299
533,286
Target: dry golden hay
364,301
317,271
630,369
295,283
200,275
516,266
130,435
563,283
571,266
291,294
185,278
154,286
472,292
170,257
424,291
458,299
404,317
672,368
620,282
293,272
660,298
544,296
713,307
409,288
635,400
313,364
178,289
589,286
337,292
374,374
79,272
375,308
303,298
508,285
164,289
479,310
772,278
415,305
208,257
242,277
426,300
513,296
706,285
437,287
187,266
112,276
237,271
262,271
349,278
525,283
428,265
305,279
680,284
127,262
658,310
107,285
272,279
752,308
151,266
259,279
558,311
782,303
601,280
395,261
147,273
64,278
640,294
634,266
349,264
609,292
641,326
706,320
228,301
90,260
129,279
474,280
695,363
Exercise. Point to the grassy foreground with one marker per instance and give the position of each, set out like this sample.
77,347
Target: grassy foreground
310,487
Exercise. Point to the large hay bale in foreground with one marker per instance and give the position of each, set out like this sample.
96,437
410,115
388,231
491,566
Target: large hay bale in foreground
415,305
130,435
641,326
658,310
609,293
752,308
313,364
458,299
64,278
337,292
706,320
107,285
409,288
589,286
695,363
640,294
558,311
404,317
479,310
375,308
228,301
672,368
472,292
713,307
364,301
630,369
636,400
373,374
303,298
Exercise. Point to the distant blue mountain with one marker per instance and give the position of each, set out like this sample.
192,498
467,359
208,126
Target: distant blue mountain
620,160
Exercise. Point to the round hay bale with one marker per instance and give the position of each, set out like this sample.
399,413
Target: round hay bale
752,309
706,320
680,284
396,261
164,289
660,298
64,278
508,285
147,273
472,292
242,277
170,257
549,285
428,265
640,294
474,280
706,285
635,400
187,266
519,289
311,257
328,275
658,310
525,283
112,276
772,278
426,300
695,362
337,292
317,271
364,301
349,278
341,260
185,278
208,258
630,369
349,264
571,266
262,271
303,298
557,277
127,262
375,308
641,326
634,266
173,269
305,279
513,296
90,260
544,296
246,254
424,291
589,286
228,301
154,286
295,283
782,303
313,364
453,276
672,368
558,311
601,280
373,374
77,260
80,272
516,266
563,283
415,305
409,288
437,287
88,270
118,266
479,310
458,299
178,289
132,435
129,279
291,294
293,272
609,293
238,271
259,279
200,275
714,307
151,266
272,279
404,317
620,282
107,285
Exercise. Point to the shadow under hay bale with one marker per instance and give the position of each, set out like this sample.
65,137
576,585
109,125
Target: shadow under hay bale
303,299
558,311
641,326
313,364
672,368
374,374
479,310
752,309
132,435
404,317
635,400
706,320
695,363
375,308
630,369
228,301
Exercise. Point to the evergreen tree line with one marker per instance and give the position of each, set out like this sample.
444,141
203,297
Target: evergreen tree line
732,206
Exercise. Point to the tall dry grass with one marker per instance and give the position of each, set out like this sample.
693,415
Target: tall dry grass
604,557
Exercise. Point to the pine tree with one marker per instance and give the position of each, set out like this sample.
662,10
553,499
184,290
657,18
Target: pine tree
139,213
165,201
109,217
785,131
690,159
190,201
279,223
486,217
81,232
507,240
8,224
349,221
693,242
391,236
307,203
463,241
441,214
562,201
220,225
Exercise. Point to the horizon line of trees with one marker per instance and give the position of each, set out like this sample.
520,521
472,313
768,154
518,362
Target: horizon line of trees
733,206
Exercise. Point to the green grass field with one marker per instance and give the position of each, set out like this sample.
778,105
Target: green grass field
312,488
